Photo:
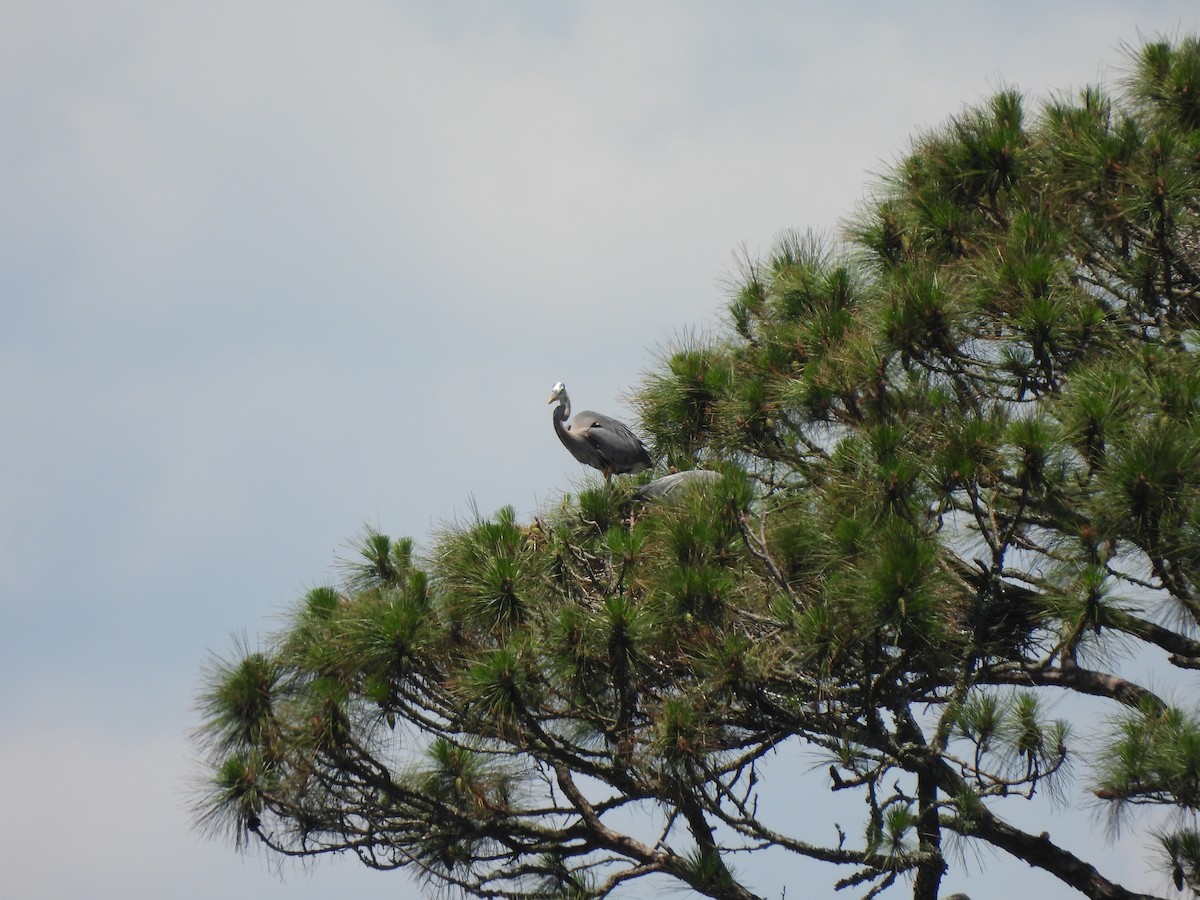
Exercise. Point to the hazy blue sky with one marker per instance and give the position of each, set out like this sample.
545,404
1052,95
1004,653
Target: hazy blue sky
274,270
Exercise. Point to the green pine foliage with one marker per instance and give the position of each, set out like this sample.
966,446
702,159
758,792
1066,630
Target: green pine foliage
960,459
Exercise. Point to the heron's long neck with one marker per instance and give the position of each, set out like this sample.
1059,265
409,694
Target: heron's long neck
562,412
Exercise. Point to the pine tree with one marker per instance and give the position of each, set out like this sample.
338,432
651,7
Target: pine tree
961,477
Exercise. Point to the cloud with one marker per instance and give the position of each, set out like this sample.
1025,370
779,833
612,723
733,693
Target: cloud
91,814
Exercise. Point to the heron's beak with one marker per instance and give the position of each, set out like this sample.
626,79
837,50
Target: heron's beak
553,397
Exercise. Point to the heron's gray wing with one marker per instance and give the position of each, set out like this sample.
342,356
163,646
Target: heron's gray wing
671,487
613,440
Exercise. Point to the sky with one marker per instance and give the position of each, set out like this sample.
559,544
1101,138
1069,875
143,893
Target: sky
273,272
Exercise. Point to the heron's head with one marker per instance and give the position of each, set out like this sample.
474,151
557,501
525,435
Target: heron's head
557,392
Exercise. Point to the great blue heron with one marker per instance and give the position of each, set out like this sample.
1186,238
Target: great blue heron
672,487
596,440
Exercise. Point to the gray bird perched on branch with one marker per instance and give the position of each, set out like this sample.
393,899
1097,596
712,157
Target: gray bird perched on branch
597,440
671,487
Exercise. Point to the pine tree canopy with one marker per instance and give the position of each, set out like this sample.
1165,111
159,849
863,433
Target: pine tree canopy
960,452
